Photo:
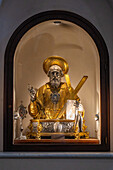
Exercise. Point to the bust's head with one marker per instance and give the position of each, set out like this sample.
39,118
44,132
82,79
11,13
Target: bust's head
55,73
55,67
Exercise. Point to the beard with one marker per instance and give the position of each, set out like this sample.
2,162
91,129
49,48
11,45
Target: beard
55,83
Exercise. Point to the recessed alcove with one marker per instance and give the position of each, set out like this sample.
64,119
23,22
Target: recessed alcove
80,44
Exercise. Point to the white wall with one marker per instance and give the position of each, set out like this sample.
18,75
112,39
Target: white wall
13,13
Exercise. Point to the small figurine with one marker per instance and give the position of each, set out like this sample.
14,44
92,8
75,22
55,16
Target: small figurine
21,114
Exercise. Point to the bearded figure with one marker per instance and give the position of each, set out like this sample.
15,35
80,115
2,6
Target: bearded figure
49,100
48,105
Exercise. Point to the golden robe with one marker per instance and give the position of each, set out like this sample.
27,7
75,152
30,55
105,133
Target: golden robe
44,108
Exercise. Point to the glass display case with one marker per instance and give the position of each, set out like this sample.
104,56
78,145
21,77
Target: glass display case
59,85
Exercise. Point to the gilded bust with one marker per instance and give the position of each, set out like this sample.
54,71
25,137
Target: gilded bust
49,100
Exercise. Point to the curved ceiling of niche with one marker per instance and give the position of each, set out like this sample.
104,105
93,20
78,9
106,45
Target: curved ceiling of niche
65,35
49,38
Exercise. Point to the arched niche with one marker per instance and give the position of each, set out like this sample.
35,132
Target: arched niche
78,41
